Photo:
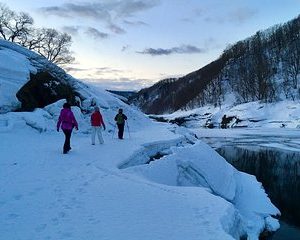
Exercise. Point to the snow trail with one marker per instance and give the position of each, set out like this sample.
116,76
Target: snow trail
49,195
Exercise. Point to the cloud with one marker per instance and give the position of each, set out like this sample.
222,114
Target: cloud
74,69
95,33
125,84
113,79
193,15
95,71
105,70
116,29
124,48
184,49
135,23
90,31
110,78
109,13
73,30
242,14
199,12
238,15
73,10
128,8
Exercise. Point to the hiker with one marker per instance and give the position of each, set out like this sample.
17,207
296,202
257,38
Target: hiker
120,118
224,122
97,124
67,122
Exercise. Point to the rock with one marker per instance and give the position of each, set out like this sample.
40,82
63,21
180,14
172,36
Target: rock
43,89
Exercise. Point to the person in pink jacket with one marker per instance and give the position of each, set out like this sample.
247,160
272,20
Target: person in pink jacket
67,122
97,125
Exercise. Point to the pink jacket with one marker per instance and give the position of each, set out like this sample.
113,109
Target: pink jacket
66,120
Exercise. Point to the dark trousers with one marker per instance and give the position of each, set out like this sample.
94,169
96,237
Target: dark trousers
121,130
67,146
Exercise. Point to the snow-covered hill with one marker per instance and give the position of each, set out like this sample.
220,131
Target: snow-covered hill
264,67
160,182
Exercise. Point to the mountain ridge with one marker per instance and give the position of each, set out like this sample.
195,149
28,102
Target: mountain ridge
264,67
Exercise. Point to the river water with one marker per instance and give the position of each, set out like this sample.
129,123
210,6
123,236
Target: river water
274,158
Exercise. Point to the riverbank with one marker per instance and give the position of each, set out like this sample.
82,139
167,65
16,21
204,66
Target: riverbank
273,156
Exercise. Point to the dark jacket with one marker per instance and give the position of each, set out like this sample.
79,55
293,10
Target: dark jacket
120,118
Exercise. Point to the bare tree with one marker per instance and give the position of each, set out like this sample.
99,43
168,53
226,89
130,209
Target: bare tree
18,28
32,40
5,15
14,25
291,63
54,46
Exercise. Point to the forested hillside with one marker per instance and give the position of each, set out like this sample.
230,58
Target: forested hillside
264,67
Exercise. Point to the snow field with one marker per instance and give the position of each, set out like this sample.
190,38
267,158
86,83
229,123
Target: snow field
107,191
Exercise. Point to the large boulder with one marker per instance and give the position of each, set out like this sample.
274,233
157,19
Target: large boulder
43,89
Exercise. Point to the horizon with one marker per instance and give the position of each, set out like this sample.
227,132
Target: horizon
129,45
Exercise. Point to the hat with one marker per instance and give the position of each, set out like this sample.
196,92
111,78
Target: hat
66,105
96,108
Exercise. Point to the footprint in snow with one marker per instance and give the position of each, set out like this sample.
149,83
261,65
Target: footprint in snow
12,216
55,221
61,214
40,227
66,235
18,196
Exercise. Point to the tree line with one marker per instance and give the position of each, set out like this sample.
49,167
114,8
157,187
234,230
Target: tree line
18,27
264,67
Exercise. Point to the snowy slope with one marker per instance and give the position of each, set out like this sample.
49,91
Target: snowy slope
15,69
110,191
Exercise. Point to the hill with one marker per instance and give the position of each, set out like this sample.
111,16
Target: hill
264,67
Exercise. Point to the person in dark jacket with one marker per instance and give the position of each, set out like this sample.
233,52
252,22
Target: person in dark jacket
97,125
120,119
67,122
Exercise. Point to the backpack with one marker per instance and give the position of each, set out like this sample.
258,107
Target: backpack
120,119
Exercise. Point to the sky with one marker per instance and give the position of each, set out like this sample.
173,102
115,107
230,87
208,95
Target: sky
131,44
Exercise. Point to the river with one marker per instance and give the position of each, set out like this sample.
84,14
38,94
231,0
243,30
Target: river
273,156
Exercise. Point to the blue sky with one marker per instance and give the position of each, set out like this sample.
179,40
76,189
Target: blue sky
131,44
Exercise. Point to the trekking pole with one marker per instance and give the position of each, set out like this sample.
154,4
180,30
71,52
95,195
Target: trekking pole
113,132
128,129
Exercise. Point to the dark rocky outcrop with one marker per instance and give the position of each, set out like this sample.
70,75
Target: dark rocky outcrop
43,89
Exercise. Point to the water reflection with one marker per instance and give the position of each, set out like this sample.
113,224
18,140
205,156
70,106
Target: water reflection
278,170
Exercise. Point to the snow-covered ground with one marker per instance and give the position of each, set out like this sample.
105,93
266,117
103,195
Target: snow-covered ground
107,192
283,114
114,191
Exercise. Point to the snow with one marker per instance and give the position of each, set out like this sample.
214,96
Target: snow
45,194
14,74
253,115
190,193
114,191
